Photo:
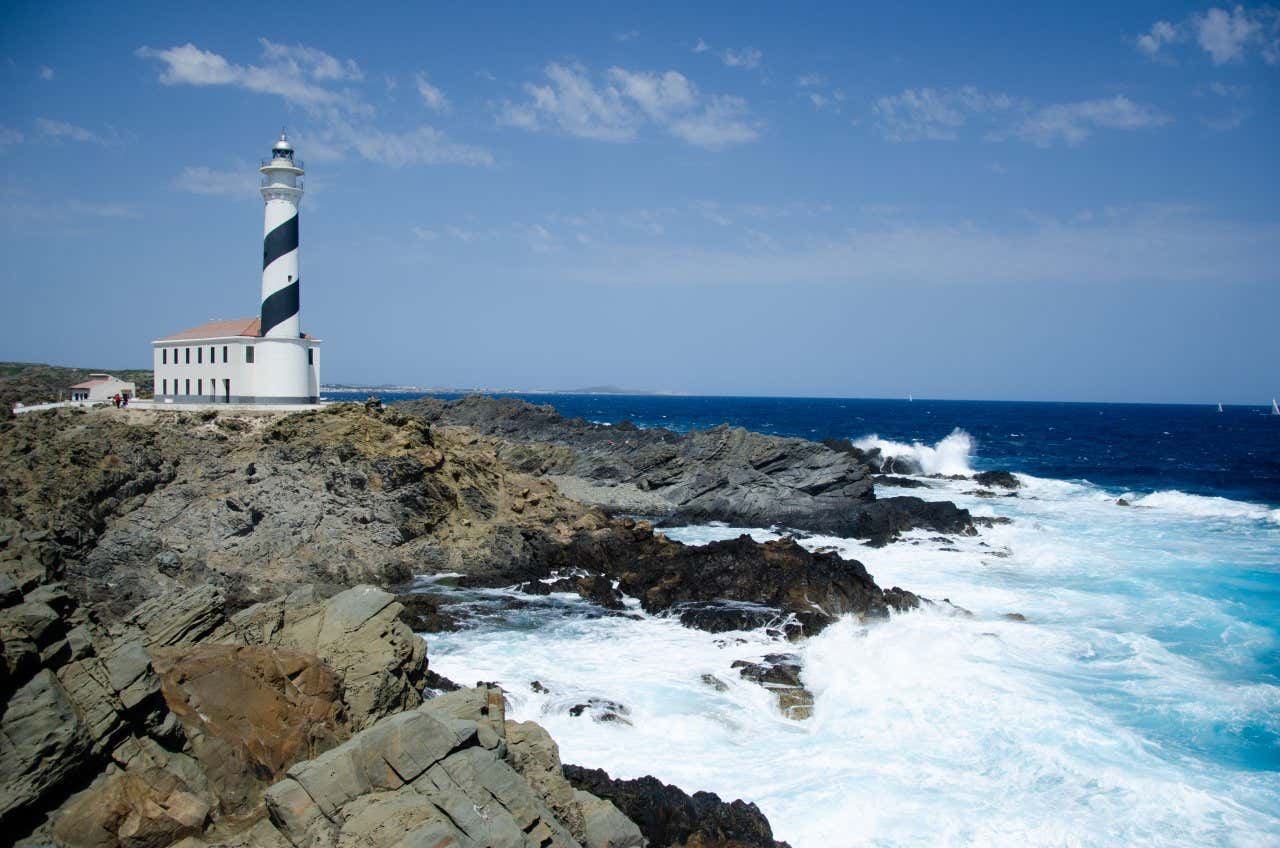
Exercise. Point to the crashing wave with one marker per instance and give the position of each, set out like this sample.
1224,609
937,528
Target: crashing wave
949,456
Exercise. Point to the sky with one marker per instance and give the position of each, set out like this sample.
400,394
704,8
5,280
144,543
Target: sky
1041,202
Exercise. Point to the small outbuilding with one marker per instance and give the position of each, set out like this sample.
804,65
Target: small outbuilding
102,387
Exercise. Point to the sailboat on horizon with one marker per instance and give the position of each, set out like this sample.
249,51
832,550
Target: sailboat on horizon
1219,406
1275,409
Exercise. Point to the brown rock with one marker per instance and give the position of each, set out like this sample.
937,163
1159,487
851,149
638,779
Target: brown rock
250,713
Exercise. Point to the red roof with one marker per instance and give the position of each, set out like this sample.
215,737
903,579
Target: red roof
250,327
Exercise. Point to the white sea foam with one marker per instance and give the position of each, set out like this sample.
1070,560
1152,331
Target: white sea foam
1117,714
948,456
1202,506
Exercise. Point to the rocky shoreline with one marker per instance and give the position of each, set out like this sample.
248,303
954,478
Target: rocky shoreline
190,657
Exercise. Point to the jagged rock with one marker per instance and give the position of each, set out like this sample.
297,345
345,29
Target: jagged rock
815,588
602,710
180,618
725,473
594,822
881,521
43,742
723,616
420,777
250,712
780,674
358,634
423,615
1003,479
667,816
158,798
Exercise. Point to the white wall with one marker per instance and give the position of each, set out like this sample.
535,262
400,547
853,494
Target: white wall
279,370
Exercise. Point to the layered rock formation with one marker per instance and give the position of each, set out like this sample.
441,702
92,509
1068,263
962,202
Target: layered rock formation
723,474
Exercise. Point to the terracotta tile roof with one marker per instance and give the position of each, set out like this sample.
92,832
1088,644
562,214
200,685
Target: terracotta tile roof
219,329
250,327
89,384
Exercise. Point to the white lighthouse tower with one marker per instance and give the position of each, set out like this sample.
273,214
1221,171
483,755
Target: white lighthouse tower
267,359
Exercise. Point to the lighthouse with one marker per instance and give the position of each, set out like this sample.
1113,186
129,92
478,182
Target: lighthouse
282,193
262,360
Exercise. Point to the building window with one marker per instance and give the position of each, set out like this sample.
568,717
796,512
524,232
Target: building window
248,354
224,353
188,356
188,384
311,356
165,384
164,356
199,355
199,387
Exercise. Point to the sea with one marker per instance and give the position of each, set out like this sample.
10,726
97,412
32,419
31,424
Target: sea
1137,705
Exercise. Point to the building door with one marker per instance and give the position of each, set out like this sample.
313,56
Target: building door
226,391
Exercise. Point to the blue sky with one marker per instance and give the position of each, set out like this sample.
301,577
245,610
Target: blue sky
1020,202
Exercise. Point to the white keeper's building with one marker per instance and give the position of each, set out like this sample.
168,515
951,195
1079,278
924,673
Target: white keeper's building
264,359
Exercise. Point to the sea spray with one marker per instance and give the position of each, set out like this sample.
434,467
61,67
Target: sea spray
948,457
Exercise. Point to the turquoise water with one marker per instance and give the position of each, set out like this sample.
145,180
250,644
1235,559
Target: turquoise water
1139,704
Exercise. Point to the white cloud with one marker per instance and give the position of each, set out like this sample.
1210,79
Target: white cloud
623,102
311,62
926,113
701,46
294,73
46,72
9,136
629,35
460,234
304,76
1160,34
572,102
64,130
747,57
811,80
1072,123
940,115
1226,35
237,182
658,95
432,96
722,123
424,145
425,234
1223,34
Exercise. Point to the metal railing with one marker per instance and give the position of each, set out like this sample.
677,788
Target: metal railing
266,182
297,163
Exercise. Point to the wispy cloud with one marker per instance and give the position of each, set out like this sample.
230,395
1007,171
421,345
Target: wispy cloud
46,73
1226,35
327,87
10,136
927,113
941,115
746,57
1072,123
432,96
617,106
629,35
241,181
701,46
70,132
297,74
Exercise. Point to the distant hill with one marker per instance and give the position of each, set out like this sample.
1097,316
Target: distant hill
36,382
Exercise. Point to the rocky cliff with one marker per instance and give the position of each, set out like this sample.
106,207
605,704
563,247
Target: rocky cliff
723,474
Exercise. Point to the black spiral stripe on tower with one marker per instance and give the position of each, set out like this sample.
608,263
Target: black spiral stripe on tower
280,305
283,239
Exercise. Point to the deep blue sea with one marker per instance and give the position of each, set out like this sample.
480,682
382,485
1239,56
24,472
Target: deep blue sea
1139,704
